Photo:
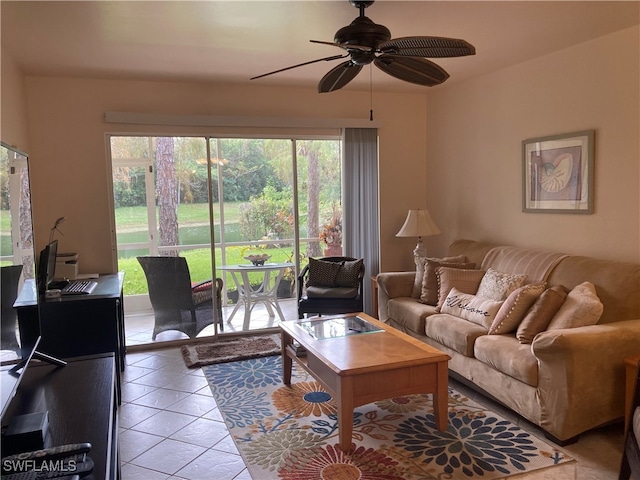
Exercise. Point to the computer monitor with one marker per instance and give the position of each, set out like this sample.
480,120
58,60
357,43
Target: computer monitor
10,379
47,266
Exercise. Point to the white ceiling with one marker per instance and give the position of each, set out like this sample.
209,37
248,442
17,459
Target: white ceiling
231,41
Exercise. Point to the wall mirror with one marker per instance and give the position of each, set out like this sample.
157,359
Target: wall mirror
17,254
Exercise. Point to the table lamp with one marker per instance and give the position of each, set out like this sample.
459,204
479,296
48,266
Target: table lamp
418,224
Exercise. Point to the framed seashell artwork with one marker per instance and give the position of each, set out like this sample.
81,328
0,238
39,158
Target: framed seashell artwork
557,173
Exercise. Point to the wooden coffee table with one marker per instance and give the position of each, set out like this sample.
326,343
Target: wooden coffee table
360,368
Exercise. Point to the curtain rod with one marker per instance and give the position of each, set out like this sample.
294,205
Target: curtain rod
233,121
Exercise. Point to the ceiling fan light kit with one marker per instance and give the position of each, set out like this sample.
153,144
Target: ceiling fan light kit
404,58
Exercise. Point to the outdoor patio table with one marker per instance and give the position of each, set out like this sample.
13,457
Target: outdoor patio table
266,293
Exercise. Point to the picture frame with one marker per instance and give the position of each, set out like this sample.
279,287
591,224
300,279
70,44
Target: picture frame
557,173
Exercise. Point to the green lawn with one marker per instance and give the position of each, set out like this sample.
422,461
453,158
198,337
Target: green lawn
194,229
199,262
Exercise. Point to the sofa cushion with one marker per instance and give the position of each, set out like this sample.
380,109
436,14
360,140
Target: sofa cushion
409,313
582,307
332,292
421,262
497,285
321,273
507,355
514,308
429,292
453,332
539,316
478,310
349,273
466,281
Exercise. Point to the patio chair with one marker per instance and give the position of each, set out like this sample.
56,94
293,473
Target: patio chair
9,282
177,303
331,285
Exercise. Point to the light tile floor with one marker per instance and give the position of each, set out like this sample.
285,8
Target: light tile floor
139,327
171,428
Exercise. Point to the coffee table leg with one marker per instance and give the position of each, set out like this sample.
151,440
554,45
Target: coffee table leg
345,414
287,361
441,397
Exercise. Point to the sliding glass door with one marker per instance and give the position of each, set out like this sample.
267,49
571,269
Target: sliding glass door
280,198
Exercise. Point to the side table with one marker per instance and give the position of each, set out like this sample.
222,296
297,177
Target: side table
631,369
374,295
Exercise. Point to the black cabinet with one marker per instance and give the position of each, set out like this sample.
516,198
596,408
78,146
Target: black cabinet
80,399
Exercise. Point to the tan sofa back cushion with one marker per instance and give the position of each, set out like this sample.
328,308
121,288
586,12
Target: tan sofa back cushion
617,284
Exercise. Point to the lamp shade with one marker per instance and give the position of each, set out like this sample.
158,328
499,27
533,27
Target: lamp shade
418,224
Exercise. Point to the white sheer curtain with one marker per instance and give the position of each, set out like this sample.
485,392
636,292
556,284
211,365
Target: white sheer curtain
360,203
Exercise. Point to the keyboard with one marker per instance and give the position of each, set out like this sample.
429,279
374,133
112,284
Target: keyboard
79,287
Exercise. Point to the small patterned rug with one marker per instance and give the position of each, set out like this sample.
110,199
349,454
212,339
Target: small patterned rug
292,433
230,350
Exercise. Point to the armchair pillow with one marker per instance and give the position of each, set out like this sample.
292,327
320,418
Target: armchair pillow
349,273
202,292
581,308
322,274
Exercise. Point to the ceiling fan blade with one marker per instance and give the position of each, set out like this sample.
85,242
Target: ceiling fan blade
345,46
430,47
413,70
338,77
325,59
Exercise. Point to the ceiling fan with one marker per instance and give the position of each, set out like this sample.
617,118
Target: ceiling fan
367,42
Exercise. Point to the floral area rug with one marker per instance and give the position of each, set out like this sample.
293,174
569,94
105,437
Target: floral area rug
292,433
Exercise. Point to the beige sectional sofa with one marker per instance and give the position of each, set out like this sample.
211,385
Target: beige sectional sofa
567,380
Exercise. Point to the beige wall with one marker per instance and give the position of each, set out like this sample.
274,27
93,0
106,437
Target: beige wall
474,135
70,173
13,99
466,169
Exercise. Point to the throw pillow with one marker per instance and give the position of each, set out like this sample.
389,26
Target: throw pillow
466,281
540,314
420,267
349,273
429,292
480,311
497,285
322,274
514,308
581,308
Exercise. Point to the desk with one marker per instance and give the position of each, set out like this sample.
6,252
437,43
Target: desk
81,404
266,293
75,325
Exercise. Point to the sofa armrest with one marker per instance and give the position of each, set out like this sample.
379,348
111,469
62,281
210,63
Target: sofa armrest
581,377
393,285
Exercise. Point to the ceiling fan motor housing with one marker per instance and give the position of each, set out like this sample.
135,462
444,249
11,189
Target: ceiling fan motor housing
364,33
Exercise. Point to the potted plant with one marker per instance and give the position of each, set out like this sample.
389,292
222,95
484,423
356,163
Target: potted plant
331,234
288,281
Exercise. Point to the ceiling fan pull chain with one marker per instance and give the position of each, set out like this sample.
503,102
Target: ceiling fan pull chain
371,93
